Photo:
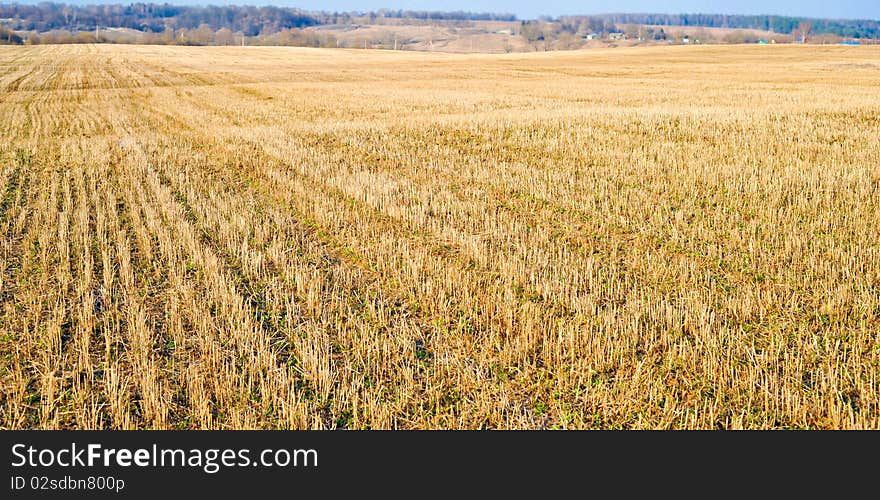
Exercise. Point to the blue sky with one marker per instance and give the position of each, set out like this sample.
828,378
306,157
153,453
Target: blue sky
529,9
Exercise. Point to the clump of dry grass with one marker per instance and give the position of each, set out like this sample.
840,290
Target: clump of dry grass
677,237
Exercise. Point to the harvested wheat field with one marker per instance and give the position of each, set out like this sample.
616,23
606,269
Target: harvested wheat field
668,237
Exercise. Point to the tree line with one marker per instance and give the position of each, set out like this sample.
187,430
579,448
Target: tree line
250,20
154,18
850,28
444,16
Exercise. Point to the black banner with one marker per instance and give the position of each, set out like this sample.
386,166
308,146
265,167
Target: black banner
193,464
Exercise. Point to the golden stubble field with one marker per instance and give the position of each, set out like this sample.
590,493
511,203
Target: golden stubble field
671,237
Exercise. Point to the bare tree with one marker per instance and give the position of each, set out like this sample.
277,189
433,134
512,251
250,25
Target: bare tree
803,31
203,35
224,36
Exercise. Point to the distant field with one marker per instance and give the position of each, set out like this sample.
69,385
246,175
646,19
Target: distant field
477,36
243,237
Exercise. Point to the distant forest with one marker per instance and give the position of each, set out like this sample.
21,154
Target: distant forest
250,20
163,23
863,28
